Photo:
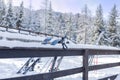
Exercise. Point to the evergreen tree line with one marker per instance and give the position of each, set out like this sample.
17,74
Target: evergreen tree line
82,27
110,30
7,16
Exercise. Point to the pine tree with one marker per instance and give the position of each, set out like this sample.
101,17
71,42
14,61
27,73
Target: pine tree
9,16
86,14
2,12
49,24
20,17
99,22
111,37
85,24
60,26
30,15
45,15
77,21
115,38
112,20
70,25
85,11
68,30
78,27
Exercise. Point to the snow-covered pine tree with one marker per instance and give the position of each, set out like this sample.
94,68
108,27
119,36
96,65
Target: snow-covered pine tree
65,23
86,15
113,20
111,37
85,24
99,24
69,26
9,16
20,17
60,26
49,22
78,27
112,28
45,4
85,11
30,16
37,22
77,21
2,12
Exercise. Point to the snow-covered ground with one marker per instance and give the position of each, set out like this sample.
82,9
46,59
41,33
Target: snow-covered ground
14,39
118,77
9,67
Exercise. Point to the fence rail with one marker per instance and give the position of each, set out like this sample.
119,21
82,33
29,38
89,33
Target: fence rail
6,52
34,32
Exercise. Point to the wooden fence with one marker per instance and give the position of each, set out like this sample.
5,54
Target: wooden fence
19,52
34,32
30,31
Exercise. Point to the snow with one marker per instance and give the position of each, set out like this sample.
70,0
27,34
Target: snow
118,77
60,25
9,67
20,36
12,38
20,40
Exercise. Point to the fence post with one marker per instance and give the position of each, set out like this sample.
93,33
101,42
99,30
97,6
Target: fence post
29,32
19,30
7,28
85,65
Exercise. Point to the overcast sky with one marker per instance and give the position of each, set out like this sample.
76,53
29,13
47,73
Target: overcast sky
73,6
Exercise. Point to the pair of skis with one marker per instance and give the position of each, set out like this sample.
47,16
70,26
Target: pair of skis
56,68
62,41
29,65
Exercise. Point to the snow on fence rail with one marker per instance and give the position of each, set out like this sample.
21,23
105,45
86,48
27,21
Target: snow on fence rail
19,52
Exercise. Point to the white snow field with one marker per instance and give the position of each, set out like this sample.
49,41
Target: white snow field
9,67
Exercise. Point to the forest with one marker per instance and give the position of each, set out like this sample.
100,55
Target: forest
82,27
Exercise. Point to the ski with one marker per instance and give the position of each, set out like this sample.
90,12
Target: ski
29,65
46,41
25,66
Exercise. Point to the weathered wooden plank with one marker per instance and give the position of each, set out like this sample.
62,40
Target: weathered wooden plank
103,66
85,65
104,52
109,78
37,52
47,76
